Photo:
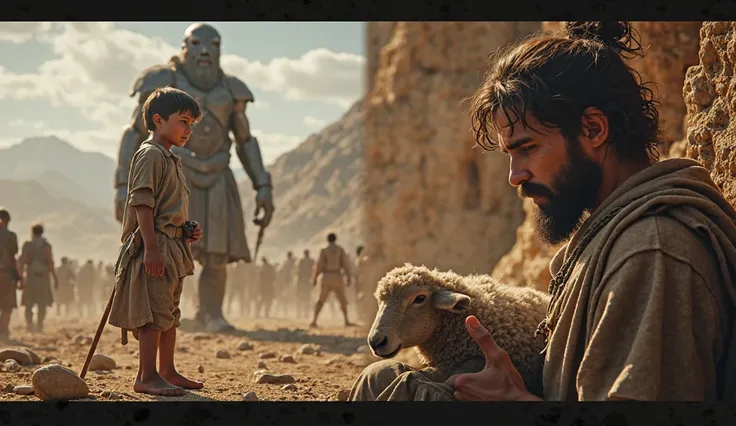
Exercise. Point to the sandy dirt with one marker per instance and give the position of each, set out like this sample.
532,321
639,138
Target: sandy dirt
318,377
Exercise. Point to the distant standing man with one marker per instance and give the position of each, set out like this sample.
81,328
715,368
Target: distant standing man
285,279
10,279
266,281
332,264
65,292
302,287
214,198
38,260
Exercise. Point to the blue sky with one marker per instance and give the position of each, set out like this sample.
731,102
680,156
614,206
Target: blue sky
72,79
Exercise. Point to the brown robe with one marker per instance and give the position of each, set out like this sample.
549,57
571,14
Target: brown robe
8,272
37,289
647,311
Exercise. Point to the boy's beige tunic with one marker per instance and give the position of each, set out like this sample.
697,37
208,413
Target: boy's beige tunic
139,298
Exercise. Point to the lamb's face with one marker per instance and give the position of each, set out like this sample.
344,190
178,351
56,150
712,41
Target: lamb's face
407,314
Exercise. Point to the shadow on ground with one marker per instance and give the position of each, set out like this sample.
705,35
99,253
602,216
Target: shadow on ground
328,343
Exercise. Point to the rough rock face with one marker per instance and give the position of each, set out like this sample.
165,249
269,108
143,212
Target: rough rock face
316,191
670,48
710,96
378,33
431,198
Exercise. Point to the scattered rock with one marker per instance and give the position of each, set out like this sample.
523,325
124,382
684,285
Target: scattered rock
287,359
267,355
290,387
306,350
259,372
23,390
20,356
222,354
250,397
245,346
35,359
343,395
12,366
80,339
48,359
262,364
275,379
111,395
57,382
200,368
101,362
201,336
183,350
8,388
128,367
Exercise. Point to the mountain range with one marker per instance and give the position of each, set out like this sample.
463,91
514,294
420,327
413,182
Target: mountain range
316,188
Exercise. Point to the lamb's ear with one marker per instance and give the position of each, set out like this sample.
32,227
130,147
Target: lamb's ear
451,301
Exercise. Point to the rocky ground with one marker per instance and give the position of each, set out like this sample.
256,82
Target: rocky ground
321,364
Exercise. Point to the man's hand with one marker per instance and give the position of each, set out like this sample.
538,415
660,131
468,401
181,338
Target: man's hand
21,284
153,262
196,234
264,201
498,381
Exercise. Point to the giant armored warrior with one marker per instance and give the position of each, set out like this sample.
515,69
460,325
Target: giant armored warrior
214,199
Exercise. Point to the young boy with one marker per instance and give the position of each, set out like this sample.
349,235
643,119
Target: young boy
149,277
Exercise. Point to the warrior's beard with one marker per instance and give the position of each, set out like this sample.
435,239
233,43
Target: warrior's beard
202,76
575,188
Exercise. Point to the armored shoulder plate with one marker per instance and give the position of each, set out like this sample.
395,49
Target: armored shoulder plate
152,78
238,89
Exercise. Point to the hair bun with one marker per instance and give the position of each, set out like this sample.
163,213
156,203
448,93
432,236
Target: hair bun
618,35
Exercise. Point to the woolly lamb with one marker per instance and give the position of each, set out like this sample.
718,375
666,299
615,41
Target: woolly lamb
426,309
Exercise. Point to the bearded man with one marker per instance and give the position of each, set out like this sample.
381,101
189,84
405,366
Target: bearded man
214,199
643,293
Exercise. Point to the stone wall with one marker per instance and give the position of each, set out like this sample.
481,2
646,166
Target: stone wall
710,96
431,198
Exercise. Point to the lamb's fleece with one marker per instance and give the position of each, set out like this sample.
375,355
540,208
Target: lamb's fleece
510,313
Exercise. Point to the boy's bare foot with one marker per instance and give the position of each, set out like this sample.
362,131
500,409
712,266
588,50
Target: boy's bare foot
157,386
176,379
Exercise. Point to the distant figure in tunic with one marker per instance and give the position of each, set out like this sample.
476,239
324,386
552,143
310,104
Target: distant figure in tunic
332,264
302,286
67,282
284,291
266,290
85,285
37,259
10,276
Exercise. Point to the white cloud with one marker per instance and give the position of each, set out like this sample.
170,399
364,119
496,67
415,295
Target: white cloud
95,64
314,122
20,32
319,74
23,123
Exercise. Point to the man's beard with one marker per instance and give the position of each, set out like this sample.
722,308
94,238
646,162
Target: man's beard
202,77
574,189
